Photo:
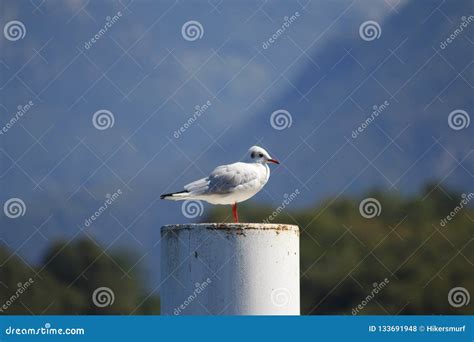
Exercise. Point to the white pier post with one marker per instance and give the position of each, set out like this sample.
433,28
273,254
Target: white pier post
230,269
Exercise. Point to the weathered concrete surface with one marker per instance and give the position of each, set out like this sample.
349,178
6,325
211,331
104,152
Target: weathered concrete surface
230,269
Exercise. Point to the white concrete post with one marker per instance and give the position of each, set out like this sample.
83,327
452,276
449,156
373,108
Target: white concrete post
230,269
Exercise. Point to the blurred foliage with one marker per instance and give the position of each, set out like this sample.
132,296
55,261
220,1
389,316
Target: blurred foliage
67,278
343,254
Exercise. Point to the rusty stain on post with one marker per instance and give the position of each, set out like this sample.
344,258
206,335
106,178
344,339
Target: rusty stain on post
233,227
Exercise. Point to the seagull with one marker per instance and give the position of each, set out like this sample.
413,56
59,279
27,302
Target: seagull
230,184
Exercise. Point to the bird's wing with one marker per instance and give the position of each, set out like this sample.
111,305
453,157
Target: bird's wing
224,179
198,187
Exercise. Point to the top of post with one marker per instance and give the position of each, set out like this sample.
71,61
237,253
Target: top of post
233,227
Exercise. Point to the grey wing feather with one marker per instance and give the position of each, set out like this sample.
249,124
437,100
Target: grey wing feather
226,178
198,187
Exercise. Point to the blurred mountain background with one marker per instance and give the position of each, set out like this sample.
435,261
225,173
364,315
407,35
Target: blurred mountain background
319,70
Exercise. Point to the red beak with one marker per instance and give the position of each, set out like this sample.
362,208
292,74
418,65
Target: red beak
273,161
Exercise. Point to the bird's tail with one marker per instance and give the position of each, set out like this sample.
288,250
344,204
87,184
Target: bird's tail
176,196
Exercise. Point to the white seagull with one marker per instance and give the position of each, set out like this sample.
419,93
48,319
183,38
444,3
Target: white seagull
230,184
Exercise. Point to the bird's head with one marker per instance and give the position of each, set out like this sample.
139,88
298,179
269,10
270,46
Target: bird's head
257,154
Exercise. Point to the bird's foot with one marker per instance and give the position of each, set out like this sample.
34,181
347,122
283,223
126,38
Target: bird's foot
234,213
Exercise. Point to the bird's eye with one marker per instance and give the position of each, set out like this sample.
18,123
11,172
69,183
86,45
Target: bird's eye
260,155
252,155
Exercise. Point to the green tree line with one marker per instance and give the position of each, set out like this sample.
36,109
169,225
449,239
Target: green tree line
404,260
65,282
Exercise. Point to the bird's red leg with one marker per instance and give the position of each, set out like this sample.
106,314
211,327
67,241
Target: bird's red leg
234,213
